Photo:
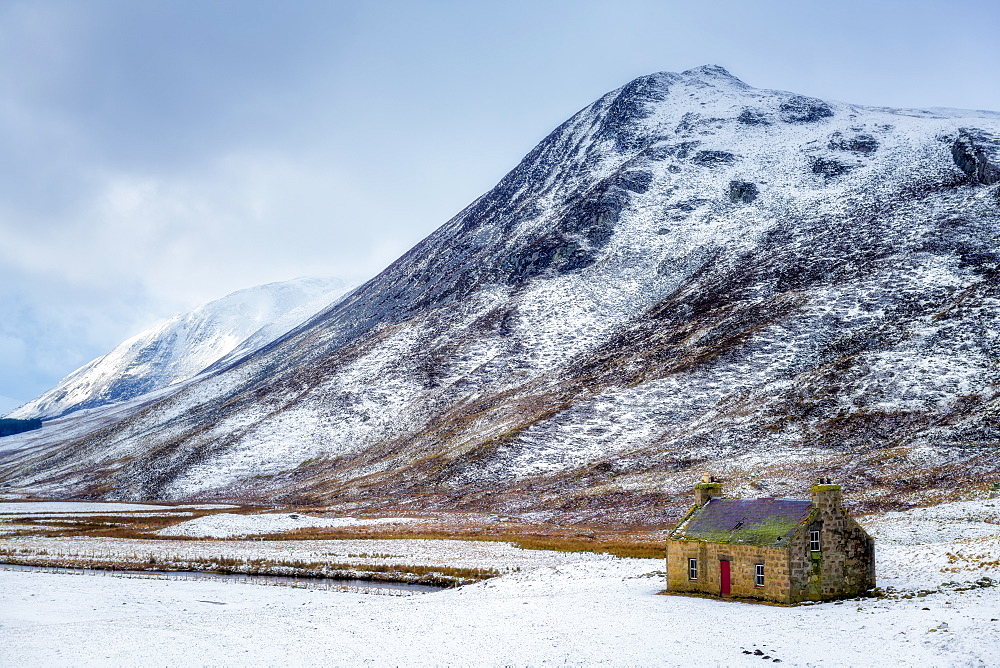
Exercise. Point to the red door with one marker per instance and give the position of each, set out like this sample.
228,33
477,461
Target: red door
724,577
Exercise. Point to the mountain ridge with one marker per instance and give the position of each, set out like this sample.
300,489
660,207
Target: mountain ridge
689,272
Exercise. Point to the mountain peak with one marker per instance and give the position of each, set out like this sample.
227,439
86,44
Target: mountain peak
708,70
714,72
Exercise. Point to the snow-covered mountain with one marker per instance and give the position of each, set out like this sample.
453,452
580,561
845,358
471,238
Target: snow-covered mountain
689,273
183,346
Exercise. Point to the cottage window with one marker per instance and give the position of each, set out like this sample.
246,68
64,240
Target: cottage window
814,540
692,569
758,577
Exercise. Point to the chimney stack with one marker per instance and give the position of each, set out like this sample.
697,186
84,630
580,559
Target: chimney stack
826,496
706,489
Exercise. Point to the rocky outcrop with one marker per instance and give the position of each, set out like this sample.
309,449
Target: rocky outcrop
637,181
753,117
829,168
553,252
860,143
977,153
742,192
713,158
801,109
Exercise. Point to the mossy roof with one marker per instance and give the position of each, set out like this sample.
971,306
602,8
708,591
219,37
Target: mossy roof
766,522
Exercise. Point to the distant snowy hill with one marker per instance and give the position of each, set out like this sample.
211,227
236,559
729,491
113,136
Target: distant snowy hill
688,274
187,344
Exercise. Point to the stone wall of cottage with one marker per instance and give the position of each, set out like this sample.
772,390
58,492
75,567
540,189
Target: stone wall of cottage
742,560
845,563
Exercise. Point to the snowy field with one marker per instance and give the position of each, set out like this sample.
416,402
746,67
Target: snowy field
76,507
596,612
549,608
414,552
10,509
227,525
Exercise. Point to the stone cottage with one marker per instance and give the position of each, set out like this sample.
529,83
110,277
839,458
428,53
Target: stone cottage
782,550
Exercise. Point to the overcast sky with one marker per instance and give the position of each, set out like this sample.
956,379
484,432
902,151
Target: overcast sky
157,155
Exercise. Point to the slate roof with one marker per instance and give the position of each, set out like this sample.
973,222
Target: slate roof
767,521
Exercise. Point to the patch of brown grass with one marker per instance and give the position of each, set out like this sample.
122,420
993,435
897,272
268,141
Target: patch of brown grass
618,548
644,545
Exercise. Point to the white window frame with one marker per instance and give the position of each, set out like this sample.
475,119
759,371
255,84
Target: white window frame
692,568
814,540
758,575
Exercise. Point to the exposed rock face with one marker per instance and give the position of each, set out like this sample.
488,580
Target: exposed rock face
977,153
801,109
752,117
609,317
829,168
742,192
862,143
712,158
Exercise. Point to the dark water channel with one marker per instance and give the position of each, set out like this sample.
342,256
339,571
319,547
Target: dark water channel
287,580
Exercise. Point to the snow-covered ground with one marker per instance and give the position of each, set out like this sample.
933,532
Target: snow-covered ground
79,508
936,524
227,525
923,547
383,552
547,608
594,611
